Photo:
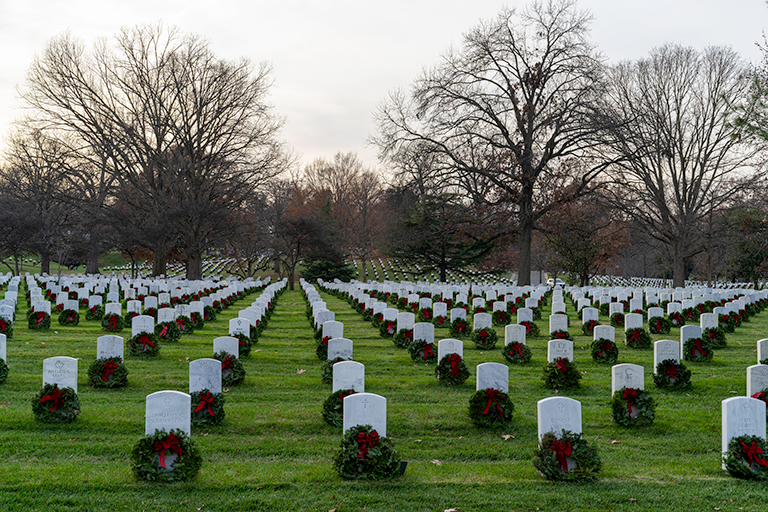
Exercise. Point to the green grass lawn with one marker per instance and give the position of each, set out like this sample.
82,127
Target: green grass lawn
274,452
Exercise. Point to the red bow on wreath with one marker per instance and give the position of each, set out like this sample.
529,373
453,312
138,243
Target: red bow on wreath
460,327
658,325
697,345
325,340
39,316
425,312
205,399
226,363
107,370
454,359
3,325
428,351
561,365
180,323
672,371
628,395
634,335
164,331
366,442
144,340
57,396
71,317
493,398
483,334
605,346
562,451
517,347
170,443
112,322
752,453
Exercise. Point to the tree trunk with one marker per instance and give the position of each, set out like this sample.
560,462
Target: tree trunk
524,263
45,263
92,264
678,265
194,267
362,264
159,260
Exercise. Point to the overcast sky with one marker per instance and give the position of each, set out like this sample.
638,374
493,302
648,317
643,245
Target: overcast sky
334,61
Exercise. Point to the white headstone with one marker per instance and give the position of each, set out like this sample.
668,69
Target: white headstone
686,333
633,321
61,370
559,413
449,346
606,332
589,313
558,322
627,375
228,344
142,323
524,315
663,350
741,416
559,349
340,347
239,325
424,331
168,410
762,349
405,321
109,346
757,378
205,373
458,313
333,329
493,376
349,375
3,343
514,333
482,321
365,409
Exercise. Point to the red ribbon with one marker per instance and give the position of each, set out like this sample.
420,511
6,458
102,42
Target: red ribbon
517,347
428,351
440,320
483,334
164,331
112,322
40,315
697,345
390,327
180,323
409,335
226,363
493,398
634,335
144,340
366,442
205,399
672,371
3,325
325,340
171,443
454,359
71,317
562,451
628,395
760,395
658,325
107,369
57,396
561,365
426,313
752,453
605,346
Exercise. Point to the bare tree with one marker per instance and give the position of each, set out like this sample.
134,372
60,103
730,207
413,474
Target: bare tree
681,158
523,93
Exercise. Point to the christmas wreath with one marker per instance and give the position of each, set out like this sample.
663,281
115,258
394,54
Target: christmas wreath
6,328
207,408
322,348
209,314
617,320
484,339
672,375
84,303
148,458
108,372
560,335
490,408
517,353
688,314
452,370
604,308
637,338
725,322
130,315
327,373
500,318
531,329
387,328
112,323
403,338
425,315
568,457
365,455
604,351
167,332
255,331
151,312
760,395
511,308
422,352
588,328
54,405
185,325
632,406
459,327
698,350
3,371
745,458
376,319
144,344
95,313
659,325
69,317
715,336
232,371
246,343
441,322
561,374
39,321
333,407
197,320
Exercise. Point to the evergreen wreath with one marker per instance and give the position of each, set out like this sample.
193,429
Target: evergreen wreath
760,395
423,352
531,329
485,338
167,332
54,405
376,319
561,374
322,348
536,313
638,338
232,371
403,338
108,372
566,458
112,323
39,321
6,328
745,458
632,406
511,308
333,407
452,370
185,325
207,408
517,353
69,317
441,322
688,314
130,315
588,328
366,456
245,343
698,350
459,327
604,308
715,336
560,335
672,375
255,331
659,325
617,320
327,373
95,313
725,322
209,314
144,344
500,318
3,371
197,320
490,408
148,457
387,328
604,351
425,315
84,303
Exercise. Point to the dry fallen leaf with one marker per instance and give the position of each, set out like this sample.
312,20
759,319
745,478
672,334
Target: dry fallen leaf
417,440
632,499
450,510
299,372
507,437
436,462
615,441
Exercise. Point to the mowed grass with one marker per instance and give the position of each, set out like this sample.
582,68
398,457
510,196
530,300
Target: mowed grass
274,452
